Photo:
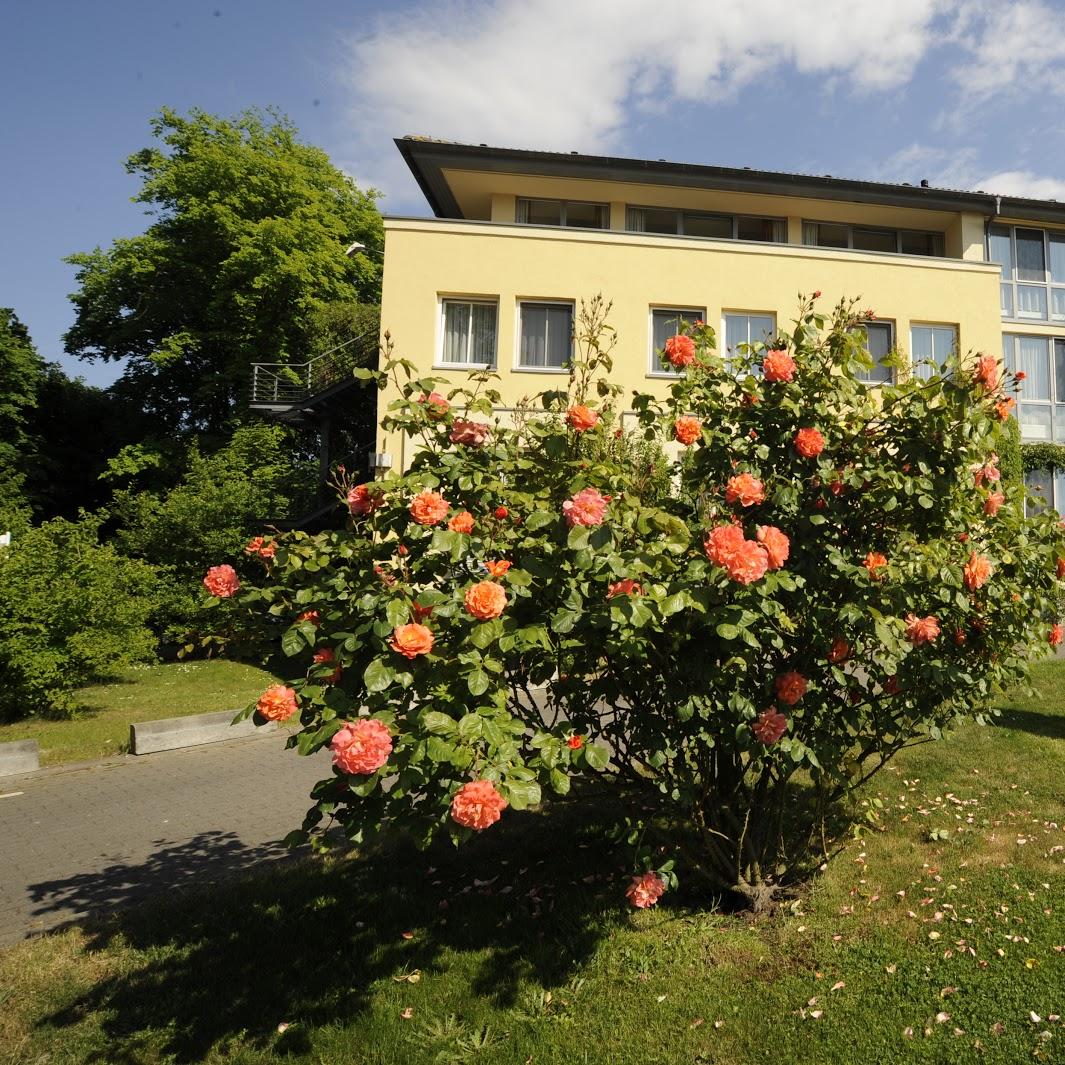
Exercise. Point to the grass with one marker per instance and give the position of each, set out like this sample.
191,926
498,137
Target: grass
939,936
141,693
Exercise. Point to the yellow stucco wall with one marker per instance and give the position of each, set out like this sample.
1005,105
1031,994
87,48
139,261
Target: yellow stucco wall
428,259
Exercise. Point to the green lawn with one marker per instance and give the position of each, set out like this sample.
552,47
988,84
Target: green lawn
141,693
939,938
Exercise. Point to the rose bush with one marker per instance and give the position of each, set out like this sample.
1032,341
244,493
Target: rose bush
831,572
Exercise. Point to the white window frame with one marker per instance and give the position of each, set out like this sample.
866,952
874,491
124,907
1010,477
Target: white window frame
932,325
893,346
734,313
519,304
681,312
1014,283
441,320
1054,401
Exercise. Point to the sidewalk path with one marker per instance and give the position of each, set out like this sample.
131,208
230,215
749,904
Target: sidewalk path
94,837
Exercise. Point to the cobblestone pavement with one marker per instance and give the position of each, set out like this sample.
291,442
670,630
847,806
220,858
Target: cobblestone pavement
92,838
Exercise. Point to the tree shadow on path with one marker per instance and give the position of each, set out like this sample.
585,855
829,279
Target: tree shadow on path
307,940
1033,722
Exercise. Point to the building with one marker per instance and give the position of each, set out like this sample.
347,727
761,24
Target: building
520,237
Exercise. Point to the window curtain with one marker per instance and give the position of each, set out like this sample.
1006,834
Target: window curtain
521,211
809,234
778,228
456,332
483,333
533,335
634,220
1033,357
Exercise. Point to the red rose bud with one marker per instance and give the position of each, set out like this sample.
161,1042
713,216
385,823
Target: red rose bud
501,512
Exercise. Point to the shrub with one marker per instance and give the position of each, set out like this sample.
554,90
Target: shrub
828,582
71,611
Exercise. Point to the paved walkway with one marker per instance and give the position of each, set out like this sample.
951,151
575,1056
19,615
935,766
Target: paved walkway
94,837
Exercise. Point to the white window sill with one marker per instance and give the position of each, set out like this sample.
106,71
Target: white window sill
660,375
470,366
542,369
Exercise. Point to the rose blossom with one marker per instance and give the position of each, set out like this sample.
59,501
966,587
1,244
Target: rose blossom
1061,568
976,571
722,542
874,561
992,503
778,365
312,616
587,507
364,499
809,443
748,563
471,434
411,640
777,545
428,508
986,372
462,522
435,404
361,747
770,726
1056,634
744,489
680,350
477,805
921,630
277,703
687,430
222,581
891,686
501,512
645,890
987,472
485,600
790,687
326,654
575,742
840,651
258,546
497,569
627,586
580,418
1003,408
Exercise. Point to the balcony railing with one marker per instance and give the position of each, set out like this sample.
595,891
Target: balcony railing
280,385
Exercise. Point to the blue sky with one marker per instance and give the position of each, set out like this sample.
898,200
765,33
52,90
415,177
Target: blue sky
966,93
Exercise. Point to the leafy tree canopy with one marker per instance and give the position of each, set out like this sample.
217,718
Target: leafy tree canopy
21,374
248,243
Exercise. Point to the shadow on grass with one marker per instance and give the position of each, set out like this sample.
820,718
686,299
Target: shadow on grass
307,941
1034,722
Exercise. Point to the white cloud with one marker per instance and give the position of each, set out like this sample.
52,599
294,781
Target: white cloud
560,75
1023,183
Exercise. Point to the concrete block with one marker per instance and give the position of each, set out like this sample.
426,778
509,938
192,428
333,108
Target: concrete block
171,733
23,756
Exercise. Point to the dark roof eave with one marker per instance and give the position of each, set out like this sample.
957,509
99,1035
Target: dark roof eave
427,160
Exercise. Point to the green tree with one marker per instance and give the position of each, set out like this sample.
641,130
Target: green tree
21,373
248,244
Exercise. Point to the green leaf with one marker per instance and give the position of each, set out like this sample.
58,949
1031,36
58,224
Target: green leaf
477,682
578,538
727,631
597,757
521,794
560,782
292,642
378,676
438,724
485,634
470,727
538,519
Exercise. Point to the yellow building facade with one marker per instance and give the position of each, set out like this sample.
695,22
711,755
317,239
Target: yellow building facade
520,238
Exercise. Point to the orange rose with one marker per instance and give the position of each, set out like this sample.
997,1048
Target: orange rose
680,350
365,499
411,640
874,561
462,522
1003,408
986,372
222,581
1056,634
744,489
687,430
840,651
580,418
992,503
324,656
277,703
778,365
428,508
477,805
809,443
790,687
472,434
776,544
497,569
921,630
624,587
976,571
435,405
485,600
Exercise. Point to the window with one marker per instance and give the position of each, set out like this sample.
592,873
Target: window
1033,271
1041,402
1048,487
469,333
934,343
563,213
879,342
545,335
867,238
748,329
665,323
670,221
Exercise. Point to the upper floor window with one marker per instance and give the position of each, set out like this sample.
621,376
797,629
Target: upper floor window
665,323
1041,403
880,343
870,238
469,332
563,213
1033,266
545,335
931,344
675,222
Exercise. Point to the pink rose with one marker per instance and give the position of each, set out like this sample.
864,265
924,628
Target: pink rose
477,805
361,747
470,434
587,507
645,890
222,581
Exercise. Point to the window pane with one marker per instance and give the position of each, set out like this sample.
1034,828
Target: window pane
1000,250
456,331
586,215
921,347
559,334
665,324
1057,256
1031,264
1035,421
1008,357
763,328
944,341
832,236
767,229
874,239
1041,484
917,243
544,213
655,221
878,344
1057,303
707,225
1033,357
1006,296
1031,301
1059,489
1059,370
533,335
483,333
737,330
